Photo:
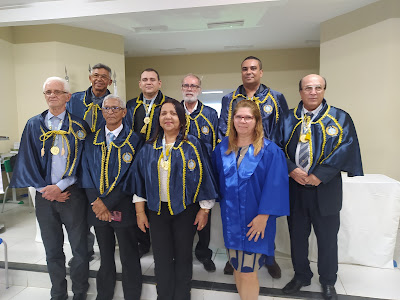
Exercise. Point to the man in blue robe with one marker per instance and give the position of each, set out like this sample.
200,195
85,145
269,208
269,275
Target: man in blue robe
142,116
273,108
108,155
320,142
50,151
87,104
272,104
202,123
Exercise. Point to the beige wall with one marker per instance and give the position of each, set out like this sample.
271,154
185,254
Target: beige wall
8,111
361,62
38,52
282,70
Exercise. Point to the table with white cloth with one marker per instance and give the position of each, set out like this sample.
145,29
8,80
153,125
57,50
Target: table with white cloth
369,221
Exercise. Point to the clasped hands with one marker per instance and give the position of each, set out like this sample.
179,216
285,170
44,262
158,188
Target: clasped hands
301,177
54,193
101,211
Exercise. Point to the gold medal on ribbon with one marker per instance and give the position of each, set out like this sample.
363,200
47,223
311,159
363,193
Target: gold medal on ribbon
165,165
146,120
303,138
55,150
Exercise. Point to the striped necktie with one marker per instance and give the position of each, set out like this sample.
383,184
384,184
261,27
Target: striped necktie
304,153
110,138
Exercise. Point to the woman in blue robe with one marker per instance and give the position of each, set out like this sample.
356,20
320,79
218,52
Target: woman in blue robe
171,174
254,191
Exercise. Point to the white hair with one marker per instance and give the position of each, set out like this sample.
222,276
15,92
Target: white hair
59,79
112,96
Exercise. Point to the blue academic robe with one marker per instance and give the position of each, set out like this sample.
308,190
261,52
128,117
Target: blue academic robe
334,140
272,105
135,114
334,148
104,171
33,169
81,104
259,186
203,124
190,178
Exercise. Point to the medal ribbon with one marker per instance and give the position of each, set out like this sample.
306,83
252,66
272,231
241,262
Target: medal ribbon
52,133
147,110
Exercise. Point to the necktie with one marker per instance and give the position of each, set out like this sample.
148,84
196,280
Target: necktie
304,153
110,138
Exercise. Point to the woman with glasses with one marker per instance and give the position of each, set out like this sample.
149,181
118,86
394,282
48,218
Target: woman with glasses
171,175
253,181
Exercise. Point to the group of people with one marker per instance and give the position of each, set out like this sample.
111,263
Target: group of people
149,172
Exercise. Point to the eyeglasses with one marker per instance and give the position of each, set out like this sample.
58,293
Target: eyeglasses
317,88
113,109
192,86
245,118
55,92
100,76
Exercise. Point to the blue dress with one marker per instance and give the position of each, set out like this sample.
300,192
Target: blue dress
259,186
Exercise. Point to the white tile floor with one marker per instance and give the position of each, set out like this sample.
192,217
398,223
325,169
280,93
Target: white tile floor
20,233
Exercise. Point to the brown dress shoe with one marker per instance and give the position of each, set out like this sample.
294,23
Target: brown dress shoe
274,270
228,270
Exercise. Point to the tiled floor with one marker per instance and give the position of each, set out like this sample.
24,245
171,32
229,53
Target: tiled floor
20,233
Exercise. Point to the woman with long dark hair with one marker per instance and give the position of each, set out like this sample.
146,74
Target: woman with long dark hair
172,173
254,191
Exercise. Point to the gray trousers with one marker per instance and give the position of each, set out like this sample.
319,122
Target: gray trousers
72,213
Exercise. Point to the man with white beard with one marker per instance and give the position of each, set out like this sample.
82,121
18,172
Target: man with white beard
202,122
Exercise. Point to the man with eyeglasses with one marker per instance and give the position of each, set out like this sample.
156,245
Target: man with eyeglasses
142,116
108,155
273,108
202,122
320,142
87,104
50,152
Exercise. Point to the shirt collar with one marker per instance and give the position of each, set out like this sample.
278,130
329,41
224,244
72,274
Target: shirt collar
116,131
60,116
195,107
147,101
97,100
314,112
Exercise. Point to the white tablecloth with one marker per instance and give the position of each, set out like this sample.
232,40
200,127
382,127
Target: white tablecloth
369,223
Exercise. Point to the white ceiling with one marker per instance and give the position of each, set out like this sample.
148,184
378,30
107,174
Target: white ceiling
180,27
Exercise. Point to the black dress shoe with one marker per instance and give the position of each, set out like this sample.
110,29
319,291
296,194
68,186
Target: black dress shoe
209,265
228,270
294,286
329,292
274,270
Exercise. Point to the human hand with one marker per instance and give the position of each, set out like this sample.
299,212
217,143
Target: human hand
142,221
105,216
299,176
201,219
313,180
54,193
257,227
98,207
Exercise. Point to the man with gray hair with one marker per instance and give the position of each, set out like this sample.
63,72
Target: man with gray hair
87,104
108,156
202,122
50,151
